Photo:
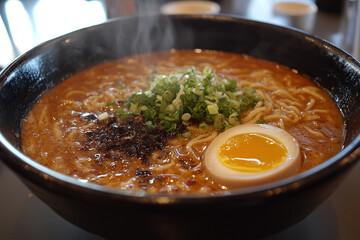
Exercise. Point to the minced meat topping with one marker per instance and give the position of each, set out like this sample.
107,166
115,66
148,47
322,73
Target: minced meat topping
130,137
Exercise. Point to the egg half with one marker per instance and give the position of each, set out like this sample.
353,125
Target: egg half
252,154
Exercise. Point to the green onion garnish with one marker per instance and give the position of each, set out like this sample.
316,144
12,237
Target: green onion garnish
189,97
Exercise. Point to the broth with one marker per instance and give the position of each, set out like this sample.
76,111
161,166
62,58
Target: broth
55,130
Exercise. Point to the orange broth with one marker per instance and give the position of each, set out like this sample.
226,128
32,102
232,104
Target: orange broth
54,130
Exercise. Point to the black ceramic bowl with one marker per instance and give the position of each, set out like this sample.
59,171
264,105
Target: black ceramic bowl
111,213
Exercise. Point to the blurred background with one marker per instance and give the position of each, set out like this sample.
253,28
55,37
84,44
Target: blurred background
27,23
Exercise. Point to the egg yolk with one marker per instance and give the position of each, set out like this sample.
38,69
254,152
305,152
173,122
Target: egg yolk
252,152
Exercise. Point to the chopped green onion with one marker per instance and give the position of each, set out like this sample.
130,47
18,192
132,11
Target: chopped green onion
134,109
261,121
233,121
230,86
168,96
192,96
219,122
147,93
170,119
122,114
186,134
143,108
213,109
109,104
204,126
186,117
150,125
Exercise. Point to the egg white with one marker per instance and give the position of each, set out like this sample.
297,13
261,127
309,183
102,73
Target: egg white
239,179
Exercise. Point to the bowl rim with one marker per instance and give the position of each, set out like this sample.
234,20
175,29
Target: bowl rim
19,162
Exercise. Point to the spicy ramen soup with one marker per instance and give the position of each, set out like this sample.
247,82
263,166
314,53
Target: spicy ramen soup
87,128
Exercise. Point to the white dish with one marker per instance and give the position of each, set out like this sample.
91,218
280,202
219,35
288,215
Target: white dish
190,7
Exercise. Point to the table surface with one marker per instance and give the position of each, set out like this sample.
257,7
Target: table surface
24,216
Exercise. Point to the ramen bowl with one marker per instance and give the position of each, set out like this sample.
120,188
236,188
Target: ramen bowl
251,213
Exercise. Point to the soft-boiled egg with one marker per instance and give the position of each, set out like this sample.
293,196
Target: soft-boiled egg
252,154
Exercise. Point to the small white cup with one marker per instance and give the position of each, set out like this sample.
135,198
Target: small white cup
190,7
298,14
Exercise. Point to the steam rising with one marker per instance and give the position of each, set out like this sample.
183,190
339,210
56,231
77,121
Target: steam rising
152,35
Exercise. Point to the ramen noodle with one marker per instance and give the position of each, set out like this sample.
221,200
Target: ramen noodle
55,131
